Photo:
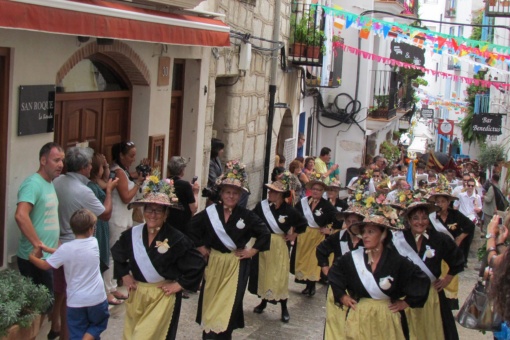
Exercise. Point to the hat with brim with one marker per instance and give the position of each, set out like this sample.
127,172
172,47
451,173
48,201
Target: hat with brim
377,220
277,186
234,176
233,182
417,205
432,198
352,210
334,185
316,179
156,198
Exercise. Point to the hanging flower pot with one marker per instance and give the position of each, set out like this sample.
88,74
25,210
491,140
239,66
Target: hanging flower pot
298,50
312,52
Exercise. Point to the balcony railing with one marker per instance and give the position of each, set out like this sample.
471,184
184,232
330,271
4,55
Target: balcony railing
307,36
450,10
384,95
482,103
497,8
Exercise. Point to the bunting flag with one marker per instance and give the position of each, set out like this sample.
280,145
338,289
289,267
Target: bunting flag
393,62
433,163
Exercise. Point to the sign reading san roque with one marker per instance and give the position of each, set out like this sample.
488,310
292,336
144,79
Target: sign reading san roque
36,109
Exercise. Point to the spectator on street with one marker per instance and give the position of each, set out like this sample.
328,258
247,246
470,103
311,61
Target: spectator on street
324,166
300,144
37,218
493,201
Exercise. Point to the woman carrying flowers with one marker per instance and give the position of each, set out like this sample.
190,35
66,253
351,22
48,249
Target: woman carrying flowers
155,262
270,269
221,232
427,248
319,213
376,283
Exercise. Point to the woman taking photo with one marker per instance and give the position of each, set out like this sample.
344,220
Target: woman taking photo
155,262
338,244
455,225
221,232
270,274
427,248
376,283
123,155
319,213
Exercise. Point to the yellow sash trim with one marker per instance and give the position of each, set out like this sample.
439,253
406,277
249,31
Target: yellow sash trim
426,322
452,290
373,320
307,267
274,264
148,312
335,319
221,277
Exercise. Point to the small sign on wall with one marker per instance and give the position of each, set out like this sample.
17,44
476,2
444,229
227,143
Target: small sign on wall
487,124
36,109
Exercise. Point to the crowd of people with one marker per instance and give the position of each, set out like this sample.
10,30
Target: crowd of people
390,254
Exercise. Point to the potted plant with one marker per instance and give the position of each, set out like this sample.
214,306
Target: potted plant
315,44
22,304
380,110
300,36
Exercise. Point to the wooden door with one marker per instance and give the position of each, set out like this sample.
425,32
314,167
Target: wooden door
101,118
174,134
4,114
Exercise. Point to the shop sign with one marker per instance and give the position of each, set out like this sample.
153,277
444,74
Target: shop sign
427,113
487,124
36,109
407,53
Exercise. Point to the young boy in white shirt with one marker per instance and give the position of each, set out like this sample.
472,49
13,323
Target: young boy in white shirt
87,306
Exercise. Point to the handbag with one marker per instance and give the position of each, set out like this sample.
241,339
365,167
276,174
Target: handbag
478,312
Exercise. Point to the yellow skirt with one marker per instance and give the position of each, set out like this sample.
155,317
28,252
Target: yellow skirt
221,277
426,322
307,267
335,319
273,282
452,290
373,320
148,312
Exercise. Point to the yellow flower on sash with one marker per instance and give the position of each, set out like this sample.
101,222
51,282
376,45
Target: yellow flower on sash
162,246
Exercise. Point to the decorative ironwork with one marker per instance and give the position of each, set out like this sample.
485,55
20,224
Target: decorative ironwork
306,45
497,8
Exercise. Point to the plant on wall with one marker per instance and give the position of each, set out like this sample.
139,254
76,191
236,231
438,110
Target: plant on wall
491,154
466,124
390,151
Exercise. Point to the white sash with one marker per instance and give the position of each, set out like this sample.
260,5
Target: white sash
438,225
219,229
344,245
406,250
270,217
308,213
142,259
366,277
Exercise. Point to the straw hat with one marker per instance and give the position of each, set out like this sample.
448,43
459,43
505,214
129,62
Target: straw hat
352,210
416,205
442,189
234,175
374,219
316,178
156,191
334,184
277,186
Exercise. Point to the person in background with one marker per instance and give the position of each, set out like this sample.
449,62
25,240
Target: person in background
123,156
37,218
333,193
321,164
215,167
461,186
420,169
432,178
493,200
298,181
300,144
278,169
469,203
87,307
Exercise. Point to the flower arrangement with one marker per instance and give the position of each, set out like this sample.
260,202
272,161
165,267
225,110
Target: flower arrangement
154,185
377,210
235,174
286,179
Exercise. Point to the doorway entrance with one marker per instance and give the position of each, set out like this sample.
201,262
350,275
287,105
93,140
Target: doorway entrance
4,100
175,129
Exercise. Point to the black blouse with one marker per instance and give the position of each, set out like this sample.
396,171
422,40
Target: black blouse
202,233
457,223
323,214
181,263
286,213
444,248
409,281
340,205
332,245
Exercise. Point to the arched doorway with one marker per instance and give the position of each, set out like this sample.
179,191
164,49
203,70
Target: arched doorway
93,101
287,143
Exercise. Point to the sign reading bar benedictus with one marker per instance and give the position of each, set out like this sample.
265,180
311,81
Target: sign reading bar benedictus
36,109
487,124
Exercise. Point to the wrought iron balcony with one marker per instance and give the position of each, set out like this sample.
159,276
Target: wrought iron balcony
306,45
497,8
385,95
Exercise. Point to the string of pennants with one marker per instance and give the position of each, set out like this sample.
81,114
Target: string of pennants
393,62
485,53
457,106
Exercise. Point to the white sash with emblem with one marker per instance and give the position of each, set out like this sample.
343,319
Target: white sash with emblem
405,250
366,277
344,245
219,229
308,213
266,209
142,258
438,225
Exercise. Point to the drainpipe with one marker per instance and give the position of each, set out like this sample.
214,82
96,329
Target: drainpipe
272,93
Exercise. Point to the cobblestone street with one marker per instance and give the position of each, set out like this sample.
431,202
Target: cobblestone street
307,314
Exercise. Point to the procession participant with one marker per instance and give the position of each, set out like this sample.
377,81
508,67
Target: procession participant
376,283
319,213
156,262
333,191
221,233
269,278
427,248
455,225
338,244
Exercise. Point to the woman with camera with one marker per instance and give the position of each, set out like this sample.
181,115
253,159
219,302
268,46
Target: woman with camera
123,156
